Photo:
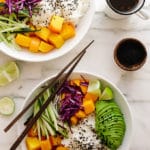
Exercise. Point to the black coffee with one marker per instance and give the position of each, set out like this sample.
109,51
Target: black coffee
130,52
124,5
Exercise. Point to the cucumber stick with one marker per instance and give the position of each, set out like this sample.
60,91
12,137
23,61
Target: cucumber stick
7,106
48,123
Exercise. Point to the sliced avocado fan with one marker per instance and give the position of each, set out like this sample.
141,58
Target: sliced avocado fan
109,124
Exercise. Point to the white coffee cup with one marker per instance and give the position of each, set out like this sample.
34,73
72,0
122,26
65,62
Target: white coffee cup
117,14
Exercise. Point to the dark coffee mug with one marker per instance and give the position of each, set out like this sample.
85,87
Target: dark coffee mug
119,10
130,54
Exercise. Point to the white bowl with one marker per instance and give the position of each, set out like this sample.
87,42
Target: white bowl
119,98
81,30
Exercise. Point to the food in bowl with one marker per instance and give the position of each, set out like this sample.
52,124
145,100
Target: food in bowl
25,55
40,26
87,113
71,10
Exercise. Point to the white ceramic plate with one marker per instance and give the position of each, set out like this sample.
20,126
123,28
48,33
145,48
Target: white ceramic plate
81,30
119,98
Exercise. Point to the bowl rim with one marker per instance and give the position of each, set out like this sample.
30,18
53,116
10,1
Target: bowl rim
19,56
130,117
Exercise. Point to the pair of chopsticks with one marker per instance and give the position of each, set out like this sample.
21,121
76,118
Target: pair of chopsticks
74,63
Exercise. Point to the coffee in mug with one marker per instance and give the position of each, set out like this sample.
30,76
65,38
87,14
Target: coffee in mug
130,54
124,5
119,9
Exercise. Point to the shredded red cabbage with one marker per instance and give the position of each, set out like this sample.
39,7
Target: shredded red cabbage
71,103
14,6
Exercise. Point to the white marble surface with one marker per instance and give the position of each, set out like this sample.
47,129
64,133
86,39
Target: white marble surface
99,59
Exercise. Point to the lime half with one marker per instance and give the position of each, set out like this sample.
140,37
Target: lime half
8,73
7,106
107,94
94,87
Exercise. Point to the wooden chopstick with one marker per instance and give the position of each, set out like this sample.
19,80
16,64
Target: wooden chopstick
44,106
44,89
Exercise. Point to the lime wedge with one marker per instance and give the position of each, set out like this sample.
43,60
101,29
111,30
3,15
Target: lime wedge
8,73
107,94
7,106
94,87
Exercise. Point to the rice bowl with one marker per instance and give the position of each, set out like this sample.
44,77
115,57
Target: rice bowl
120,100
81,30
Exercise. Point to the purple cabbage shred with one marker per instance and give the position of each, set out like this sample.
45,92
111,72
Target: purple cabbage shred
14,6
71,103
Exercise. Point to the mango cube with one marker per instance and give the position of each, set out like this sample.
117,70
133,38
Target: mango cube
43,34
80,114
88,106
74,120
56,24
45,47
56,40
55,140
68,31
33,143
62,148
2,1
23,40
91,96
46,145
34,44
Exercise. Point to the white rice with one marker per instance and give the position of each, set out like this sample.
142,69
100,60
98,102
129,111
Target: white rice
71,10
83,136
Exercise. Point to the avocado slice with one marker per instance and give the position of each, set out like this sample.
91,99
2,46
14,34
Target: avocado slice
110,106
109,113
109,123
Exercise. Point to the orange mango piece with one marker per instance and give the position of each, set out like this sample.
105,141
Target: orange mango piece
44,34
74,120
91,96
62,148
23,40
56,40
68,31
2,1
34,44
55,140
33,143
80,114
56,24
46,145
88,106
45,47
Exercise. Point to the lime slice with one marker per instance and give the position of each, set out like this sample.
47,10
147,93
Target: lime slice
8,73
107,94
7,106
94,87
